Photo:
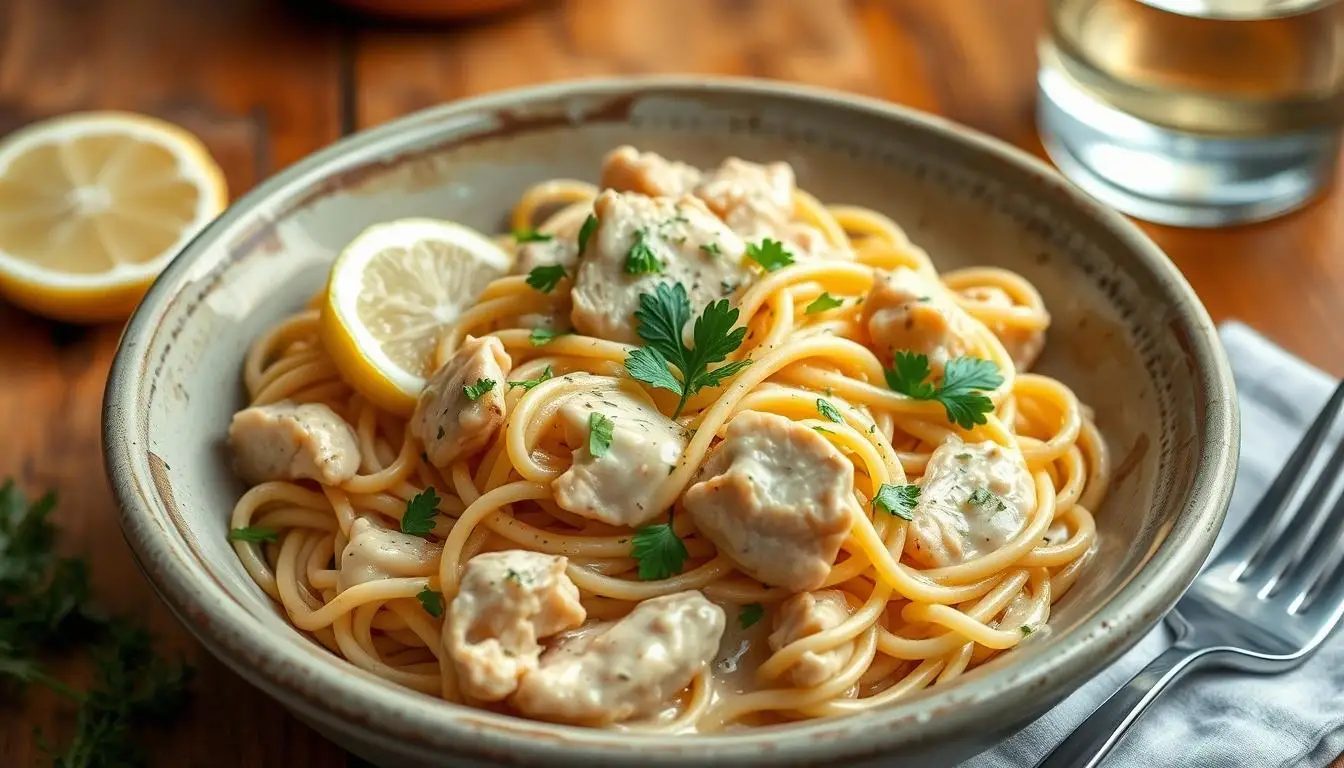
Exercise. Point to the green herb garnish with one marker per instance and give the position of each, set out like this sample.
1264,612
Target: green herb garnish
898,500
659,550
829,411
545,278
420,512
586,231
770,254
822,303
542,336
530,236
530,383
641,259
750,614
662,315
254,533
599,434
961,391
474,391
431,601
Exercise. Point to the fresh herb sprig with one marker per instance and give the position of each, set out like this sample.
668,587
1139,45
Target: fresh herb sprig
659,551
960,392
45,605
418,519
662,315
898,500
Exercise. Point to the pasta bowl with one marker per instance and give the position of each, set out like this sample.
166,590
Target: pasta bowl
1126,334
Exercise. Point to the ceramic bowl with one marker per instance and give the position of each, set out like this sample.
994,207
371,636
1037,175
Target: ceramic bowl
1128,335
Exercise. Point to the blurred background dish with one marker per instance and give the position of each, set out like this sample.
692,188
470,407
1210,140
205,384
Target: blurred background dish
433,10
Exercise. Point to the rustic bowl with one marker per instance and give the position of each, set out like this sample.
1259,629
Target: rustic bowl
1128,335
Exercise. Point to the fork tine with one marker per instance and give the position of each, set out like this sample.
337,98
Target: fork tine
1312,513
1301,583
1247,545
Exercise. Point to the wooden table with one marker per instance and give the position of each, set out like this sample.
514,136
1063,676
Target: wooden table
265,83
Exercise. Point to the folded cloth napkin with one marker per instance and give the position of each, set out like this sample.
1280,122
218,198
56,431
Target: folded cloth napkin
1218,718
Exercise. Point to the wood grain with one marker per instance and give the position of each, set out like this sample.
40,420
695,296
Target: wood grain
261,82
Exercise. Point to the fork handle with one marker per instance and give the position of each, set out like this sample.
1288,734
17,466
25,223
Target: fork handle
1089,744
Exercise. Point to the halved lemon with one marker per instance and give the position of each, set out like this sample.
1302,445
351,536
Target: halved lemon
392,291
94,205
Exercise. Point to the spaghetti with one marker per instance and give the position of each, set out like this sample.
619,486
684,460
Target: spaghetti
905,622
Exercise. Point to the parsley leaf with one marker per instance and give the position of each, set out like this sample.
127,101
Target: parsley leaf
641,259
961,392
420,513
823,430
662,315
530,236
829,411
599,434
659,551
431,601
770,254
983,497
750,614
542,336
545,278
254,533
586,231
712,249
1025,630
822,303
474,391
527,384
898,500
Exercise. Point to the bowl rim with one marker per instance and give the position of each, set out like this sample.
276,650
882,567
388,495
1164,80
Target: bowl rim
387,712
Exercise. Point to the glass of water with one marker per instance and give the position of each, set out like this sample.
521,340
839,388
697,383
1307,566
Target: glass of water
1194,112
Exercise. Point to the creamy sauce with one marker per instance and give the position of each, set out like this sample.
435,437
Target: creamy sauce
618,487
375,553
777,498
974,498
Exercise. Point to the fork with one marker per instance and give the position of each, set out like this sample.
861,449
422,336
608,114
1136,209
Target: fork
1263,605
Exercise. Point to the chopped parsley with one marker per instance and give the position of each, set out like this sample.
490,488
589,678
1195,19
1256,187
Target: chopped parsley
514,577
475,391
822,303
641,259
829,411
750,614
659,551
254,533
543,336
662,315
545,278
1026,630
712,249
983,497
527,384
898,500
823,430
770,254
586,231
530,236
961,391
420,512
599,434
431,601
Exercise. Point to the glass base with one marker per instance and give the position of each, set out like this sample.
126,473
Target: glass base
1171,177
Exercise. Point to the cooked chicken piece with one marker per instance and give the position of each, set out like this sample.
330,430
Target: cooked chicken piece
617,488
687,243
1023,345
777,498
506,601
903,312
284,441
751,198
974,498
375,553
626,169
806,614
447,419
615,671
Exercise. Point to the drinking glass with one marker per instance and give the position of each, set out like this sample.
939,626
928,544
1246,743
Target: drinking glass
1194,112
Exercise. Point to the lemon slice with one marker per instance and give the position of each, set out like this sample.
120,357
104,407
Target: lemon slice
392,291
94,205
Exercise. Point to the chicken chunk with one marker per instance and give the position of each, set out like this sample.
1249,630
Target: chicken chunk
1024,345
806,614
626,169
904,312
689,244
615,671
750,197
618,487
777,498
974,498
448,420
375,553
506,601
284,441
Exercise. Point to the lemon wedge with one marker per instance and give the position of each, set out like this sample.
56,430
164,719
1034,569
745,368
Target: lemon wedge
94,205
392,291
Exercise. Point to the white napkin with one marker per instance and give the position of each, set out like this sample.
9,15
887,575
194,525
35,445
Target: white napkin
1219,718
